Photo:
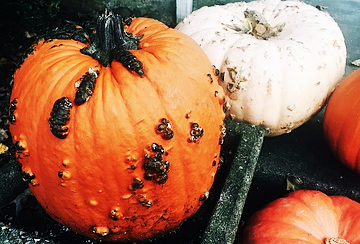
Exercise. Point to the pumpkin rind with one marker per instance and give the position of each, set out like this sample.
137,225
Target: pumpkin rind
305,216
93,181
341,121
276,76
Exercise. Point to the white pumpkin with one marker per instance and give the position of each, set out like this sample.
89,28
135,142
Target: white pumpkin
279,61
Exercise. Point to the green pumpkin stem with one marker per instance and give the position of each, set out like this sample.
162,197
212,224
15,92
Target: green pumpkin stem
111,42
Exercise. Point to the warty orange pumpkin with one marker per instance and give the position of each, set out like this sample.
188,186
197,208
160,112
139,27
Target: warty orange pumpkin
119,138
305,216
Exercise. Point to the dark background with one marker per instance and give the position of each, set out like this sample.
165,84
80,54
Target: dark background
302,154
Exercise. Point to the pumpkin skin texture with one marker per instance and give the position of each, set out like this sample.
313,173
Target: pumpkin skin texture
279,60
138,153
305,216
341,121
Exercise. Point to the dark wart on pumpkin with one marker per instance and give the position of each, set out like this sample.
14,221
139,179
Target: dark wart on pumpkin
164,128
196,133
156,168
137,183
59,117
19,148
144,201
86,86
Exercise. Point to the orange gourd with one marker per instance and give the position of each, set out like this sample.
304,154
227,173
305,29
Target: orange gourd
342,121
305,216
119,138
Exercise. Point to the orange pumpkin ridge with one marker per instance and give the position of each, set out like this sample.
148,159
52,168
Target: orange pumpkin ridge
341,121
305,216
119,142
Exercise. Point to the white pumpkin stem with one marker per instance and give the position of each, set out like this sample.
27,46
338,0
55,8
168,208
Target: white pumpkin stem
335,240
259,27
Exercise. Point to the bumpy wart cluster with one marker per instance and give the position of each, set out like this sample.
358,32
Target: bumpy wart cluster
156,168
86,86
59,117
196,132
165,129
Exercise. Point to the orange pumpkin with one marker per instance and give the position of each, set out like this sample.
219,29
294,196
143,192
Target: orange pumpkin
120,138
342,121
305,216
